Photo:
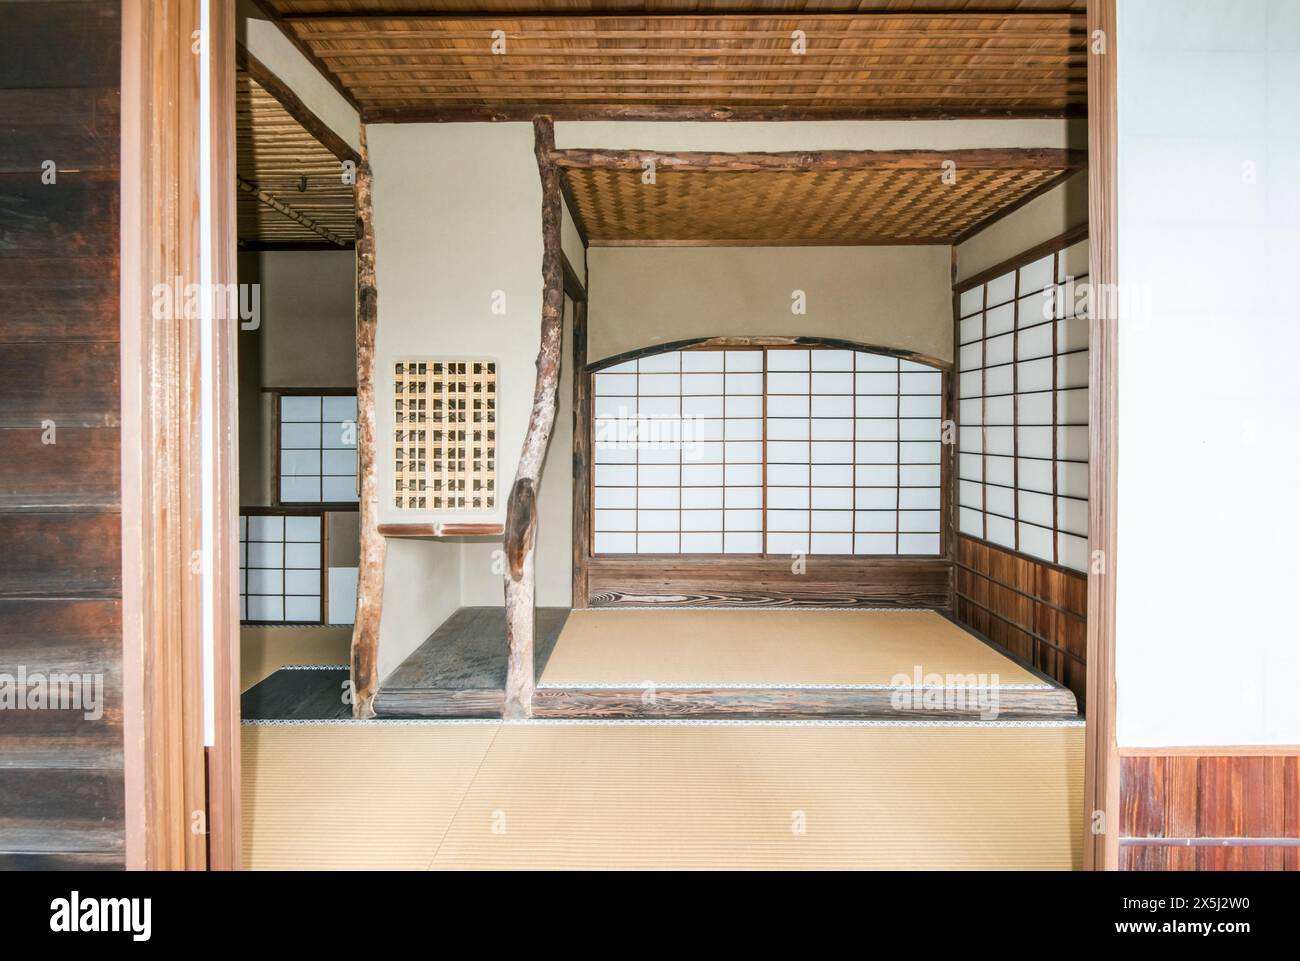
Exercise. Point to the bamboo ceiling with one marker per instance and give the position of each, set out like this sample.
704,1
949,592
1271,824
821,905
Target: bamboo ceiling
414,59
795,207
273,153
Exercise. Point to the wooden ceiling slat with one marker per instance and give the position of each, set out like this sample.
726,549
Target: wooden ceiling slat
407,60
779,208
273,152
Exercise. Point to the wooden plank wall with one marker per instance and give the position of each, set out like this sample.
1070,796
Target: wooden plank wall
682,581
1205,798
61,785
1037,611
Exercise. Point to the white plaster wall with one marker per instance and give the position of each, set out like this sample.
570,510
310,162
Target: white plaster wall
1207,649
883,296
1044,217
457,217
771,136
265,42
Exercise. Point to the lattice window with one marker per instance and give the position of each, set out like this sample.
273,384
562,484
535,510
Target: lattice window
280,562
767,450
445,435
1023,409
317,453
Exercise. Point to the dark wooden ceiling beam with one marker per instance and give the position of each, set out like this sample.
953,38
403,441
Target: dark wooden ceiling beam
415,70
1035,15
509,112
770,12
932,52
990,158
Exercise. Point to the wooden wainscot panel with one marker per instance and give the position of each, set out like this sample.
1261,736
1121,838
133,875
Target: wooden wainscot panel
1035,610
709,581
1196,809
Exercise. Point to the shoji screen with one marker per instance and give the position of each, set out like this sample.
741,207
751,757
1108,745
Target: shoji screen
767,450
280,568
1023,409
318,449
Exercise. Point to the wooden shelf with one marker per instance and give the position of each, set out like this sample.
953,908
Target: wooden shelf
441,529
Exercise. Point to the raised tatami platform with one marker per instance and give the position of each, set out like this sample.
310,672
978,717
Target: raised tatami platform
724,663
749,648
663,795
786,663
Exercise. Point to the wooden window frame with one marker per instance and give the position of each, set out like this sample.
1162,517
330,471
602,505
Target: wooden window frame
834,580
1053,246
278,394
294,511
761,345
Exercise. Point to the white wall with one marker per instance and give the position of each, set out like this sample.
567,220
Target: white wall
1046,216
1209,439
882,296
264,41
770,136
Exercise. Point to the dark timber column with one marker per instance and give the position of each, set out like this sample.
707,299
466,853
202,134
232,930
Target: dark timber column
370,589
521,511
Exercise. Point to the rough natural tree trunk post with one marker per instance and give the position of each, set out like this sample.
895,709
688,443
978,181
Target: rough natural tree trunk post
370,587
521,510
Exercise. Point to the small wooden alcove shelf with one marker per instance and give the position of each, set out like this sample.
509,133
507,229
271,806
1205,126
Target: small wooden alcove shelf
441,529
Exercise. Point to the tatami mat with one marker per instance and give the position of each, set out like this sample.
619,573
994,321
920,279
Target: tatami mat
354,796
652,796
621,647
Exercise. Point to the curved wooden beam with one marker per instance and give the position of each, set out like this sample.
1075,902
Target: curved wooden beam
694,343
521,510
374,548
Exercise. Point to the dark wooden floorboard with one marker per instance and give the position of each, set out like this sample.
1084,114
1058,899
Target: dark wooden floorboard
468,652
295,694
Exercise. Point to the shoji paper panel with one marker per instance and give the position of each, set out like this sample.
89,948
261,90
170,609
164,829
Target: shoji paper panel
1023,409
776,450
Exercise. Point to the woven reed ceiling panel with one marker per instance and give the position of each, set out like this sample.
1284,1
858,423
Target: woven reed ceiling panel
273,153
408,59
825,207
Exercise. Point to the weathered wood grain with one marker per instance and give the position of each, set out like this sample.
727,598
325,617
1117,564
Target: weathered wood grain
521,510
723,581
783,703
374,549
61,555
80,469
1198,810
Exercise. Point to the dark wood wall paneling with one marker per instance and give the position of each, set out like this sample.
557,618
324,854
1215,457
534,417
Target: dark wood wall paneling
1197,801
61,787
686,581
1037,611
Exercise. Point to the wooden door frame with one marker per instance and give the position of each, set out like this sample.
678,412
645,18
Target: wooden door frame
182,798
1101,758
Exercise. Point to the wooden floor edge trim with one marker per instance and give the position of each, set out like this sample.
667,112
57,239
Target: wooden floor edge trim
1210,842
1223,750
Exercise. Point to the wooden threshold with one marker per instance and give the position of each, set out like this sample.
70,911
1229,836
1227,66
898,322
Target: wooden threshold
1045,701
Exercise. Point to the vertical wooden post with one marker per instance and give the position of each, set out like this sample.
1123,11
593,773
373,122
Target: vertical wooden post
1101,755
224,828
162,604
370,586
581,458
521,510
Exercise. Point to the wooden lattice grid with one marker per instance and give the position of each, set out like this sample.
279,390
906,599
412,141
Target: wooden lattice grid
445,434
830,207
